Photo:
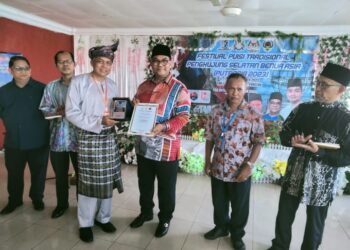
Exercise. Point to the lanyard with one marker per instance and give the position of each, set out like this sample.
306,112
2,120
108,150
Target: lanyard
104,94
224,128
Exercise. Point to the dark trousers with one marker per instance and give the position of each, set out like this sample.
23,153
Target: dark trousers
315,221
60,164
238,194
166,173
15,161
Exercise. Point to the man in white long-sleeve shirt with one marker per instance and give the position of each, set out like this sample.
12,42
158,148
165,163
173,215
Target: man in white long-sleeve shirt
87,107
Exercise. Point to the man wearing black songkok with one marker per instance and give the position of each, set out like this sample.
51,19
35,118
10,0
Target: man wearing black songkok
312,169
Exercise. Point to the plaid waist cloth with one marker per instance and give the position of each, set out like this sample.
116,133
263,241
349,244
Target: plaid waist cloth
99,168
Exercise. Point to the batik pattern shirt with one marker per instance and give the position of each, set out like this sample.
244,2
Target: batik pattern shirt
63,137
246,130
314,177
173,111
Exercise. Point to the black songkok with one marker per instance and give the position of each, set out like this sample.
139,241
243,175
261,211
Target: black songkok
103,51
294,82
161,50
276,95
337,73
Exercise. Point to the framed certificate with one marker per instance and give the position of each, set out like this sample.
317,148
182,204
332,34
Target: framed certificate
143,119
121,108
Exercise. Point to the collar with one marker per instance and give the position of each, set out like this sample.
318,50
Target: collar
30,82
62,82
166,80
329,105
241,106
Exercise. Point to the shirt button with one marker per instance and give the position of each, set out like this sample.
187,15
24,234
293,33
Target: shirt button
318,117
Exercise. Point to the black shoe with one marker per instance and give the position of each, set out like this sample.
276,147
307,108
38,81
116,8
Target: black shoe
85,234
58,212
238,244
139,220
215,233
162,229
38,205
10,208
106,227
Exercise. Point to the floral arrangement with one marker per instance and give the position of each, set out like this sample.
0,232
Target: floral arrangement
272,129
347,187
192,163
126,144
337,50
196,124
198,135
280,167
258,172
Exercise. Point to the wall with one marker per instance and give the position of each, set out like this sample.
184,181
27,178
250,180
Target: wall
38,45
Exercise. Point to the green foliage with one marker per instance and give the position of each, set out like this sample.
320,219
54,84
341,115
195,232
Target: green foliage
347,187
126,143
272,129
336,50
195,124
192,163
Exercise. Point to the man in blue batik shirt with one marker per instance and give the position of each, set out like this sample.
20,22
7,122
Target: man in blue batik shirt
63,138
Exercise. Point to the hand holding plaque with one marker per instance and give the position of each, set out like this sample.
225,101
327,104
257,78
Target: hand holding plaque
121,108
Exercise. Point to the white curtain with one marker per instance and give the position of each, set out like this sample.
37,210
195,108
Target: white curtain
129,63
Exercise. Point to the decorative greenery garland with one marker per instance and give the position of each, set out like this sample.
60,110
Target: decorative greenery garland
196,37
336,50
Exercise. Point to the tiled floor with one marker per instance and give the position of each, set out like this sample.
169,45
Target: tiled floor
28,229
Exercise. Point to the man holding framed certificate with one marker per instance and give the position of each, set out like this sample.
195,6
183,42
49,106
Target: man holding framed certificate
158,155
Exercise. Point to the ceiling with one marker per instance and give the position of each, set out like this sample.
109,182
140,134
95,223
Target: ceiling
191,14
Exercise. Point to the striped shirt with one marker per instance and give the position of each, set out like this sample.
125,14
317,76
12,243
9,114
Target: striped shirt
174,111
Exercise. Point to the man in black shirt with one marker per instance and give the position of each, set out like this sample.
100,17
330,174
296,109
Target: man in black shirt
27,134
319,133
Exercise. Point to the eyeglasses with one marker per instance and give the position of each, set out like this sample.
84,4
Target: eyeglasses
101,61
162,62
21,69
68,62
324,85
